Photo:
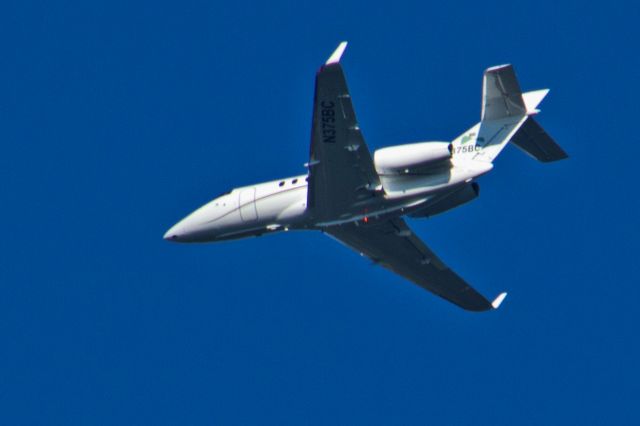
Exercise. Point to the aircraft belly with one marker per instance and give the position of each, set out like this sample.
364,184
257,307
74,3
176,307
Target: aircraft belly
379,209
406,194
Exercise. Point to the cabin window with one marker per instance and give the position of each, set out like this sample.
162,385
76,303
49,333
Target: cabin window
294,181
306,179
281,183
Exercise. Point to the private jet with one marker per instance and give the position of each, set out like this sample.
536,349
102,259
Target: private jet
360,199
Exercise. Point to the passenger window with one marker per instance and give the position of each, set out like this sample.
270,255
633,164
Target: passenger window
294,181
281,183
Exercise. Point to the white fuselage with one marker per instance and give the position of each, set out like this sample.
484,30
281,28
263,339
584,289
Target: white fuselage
281,205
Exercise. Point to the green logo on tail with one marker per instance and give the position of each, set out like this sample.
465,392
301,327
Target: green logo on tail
467,138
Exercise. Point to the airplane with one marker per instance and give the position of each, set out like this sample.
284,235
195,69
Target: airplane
359,199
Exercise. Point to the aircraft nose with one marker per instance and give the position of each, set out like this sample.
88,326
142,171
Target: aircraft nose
187,231
197,227
173,234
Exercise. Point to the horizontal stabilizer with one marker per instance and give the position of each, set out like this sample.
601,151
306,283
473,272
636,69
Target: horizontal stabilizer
532,100
532,139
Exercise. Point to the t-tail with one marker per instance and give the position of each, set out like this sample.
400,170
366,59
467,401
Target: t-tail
507,116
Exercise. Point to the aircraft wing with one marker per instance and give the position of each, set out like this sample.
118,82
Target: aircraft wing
393,245
341,170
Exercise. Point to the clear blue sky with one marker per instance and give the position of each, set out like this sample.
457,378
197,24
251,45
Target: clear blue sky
117,118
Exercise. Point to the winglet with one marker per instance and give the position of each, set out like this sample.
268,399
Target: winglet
337,54
498,300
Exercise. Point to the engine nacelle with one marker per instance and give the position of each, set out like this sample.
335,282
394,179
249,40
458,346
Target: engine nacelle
411,157
448,200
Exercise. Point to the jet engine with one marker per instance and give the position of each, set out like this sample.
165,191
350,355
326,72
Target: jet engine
449,200
411,157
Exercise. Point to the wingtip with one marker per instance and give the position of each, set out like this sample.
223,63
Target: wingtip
337,54
498,300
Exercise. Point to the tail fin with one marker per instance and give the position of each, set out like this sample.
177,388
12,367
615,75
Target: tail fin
501,94
506,116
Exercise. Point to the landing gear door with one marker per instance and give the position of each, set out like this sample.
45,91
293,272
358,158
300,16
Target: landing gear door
247,203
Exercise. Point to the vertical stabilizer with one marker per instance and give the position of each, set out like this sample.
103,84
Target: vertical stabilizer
501,94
